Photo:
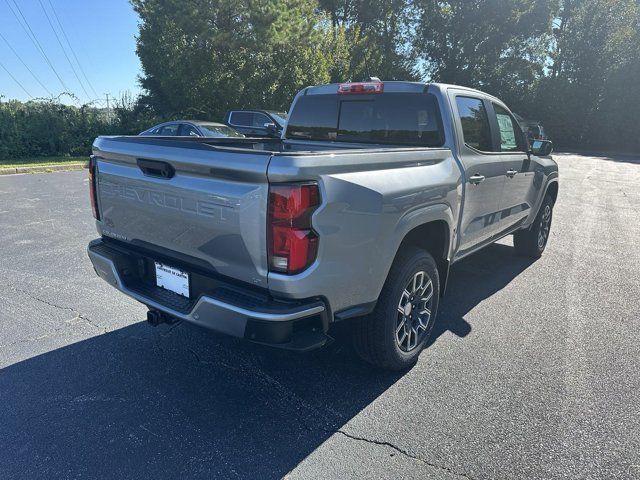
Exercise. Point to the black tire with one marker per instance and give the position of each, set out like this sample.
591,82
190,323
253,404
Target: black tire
375,336
532,241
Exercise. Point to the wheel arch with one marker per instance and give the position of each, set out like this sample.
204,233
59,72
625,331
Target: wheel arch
431,229
434,237
552,189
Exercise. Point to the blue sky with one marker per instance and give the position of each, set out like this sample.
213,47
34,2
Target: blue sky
101,34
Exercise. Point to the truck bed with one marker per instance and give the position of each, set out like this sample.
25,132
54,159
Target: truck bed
210,207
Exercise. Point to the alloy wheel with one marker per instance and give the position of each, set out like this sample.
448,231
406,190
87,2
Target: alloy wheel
414,312
545,225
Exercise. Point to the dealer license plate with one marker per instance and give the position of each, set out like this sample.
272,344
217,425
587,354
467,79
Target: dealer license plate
172,279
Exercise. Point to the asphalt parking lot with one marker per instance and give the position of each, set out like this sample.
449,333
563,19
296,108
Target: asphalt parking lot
534,371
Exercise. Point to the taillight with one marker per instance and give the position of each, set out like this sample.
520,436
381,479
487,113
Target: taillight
360,88
93,178
292,243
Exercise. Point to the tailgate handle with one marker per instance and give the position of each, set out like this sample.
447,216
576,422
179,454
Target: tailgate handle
155,168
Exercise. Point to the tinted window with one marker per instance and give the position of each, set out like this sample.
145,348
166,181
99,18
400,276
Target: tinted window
169,130
314,117
390,118
242,118
189,130
249,119
475,123
509,130
259,119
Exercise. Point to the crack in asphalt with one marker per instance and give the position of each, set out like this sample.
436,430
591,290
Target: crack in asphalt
171,329
285,391
78,315
404,453
260,375
264,377
35,339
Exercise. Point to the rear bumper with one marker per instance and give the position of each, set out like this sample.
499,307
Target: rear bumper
299,325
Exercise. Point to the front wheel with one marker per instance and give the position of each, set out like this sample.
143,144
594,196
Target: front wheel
532,241
393,335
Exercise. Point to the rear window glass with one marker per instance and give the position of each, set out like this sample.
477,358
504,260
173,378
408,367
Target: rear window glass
390,118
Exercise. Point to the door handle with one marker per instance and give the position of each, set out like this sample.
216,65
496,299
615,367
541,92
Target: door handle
511,173
476,179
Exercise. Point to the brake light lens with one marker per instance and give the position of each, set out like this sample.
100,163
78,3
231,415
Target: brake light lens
360,88
93,171
293,244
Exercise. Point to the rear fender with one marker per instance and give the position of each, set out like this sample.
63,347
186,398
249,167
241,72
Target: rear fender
413,221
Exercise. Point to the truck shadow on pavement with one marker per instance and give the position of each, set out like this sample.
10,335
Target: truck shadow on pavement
181,402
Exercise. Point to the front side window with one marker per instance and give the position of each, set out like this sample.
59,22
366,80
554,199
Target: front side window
508,130
259,119
475,123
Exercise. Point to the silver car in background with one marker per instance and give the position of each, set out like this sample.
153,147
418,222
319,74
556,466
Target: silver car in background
192,128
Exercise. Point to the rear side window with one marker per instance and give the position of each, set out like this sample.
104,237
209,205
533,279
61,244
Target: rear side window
244,119
390,118
475,123
249,119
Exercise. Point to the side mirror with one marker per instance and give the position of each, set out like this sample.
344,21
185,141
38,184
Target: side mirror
271,129
541,148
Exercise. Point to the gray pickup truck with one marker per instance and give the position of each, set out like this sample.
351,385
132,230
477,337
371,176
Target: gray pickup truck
357,212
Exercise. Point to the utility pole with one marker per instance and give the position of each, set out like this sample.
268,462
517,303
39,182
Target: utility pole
108,111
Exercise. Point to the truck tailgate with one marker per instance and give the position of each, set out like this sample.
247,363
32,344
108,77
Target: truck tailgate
203,203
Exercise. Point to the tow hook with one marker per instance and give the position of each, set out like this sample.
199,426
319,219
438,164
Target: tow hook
155,318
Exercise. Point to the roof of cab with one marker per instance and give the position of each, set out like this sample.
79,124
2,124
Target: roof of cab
395,86
389,87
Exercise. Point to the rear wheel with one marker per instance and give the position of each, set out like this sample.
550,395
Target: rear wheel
393,335
532,241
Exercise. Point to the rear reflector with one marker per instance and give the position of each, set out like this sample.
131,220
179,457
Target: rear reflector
93,178
292,243
359,88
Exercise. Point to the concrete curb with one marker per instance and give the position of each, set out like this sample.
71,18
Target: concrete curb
42,168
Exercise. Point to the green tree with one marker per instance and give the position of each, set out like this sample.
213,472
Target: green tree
500,46
203,57
48,127
373,38
596,54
